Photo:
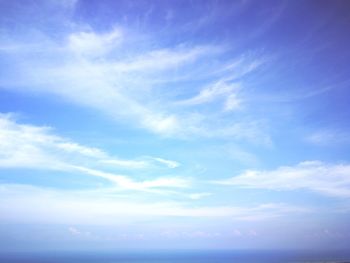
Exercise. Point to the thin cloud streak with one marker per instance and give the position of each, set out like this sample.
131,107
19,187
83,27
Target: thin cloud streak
218,90
126,183
327,179
33,147
44,205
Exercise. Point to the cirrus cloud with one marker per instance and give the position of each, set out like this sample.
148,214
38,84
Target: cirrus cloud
316,176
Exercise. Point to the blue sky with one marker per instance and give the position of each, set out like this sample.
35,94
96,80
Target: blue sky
174,124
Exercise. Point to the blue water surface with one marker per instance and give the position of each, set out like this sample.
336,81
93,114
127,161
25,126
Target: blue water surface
244,256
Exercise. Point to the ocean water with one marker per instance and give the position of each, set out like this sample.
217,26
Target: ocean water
246,256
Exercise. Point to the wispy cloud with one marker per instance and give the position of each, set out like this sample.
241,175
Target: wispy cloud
88,43
132,164
197,196
109,72
168,163
220,89
316,176
190,234
42,205
126,183
328,137
165,59
142,162
76,232
28,146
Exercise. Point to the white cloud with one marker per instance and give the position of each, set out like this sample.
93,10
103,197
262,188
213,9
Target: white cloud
168,163
28,146
91,44
220,89
240,67
23,203
111,73
163,59
142,163
76,232
127,183
21,144
109,86
132,164
79,149
232,102
197,196
316,176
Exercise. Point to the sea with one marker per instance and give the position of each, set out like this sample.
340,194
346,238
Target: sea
198,256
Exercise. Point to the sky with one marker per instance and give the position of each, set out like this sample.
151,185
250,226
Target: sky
174,124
